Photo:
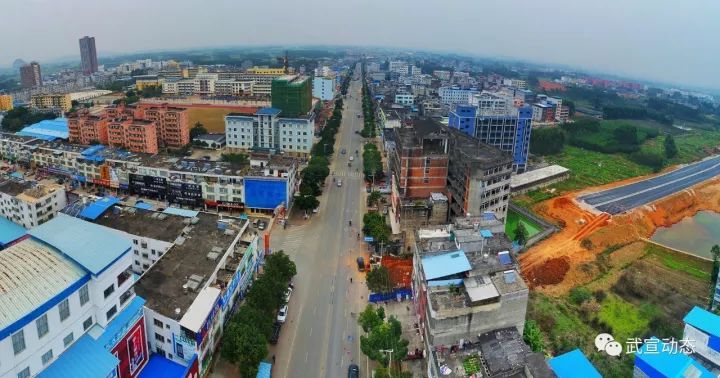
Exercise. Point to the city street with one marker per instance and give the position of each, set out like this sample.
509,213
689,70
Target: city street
321,337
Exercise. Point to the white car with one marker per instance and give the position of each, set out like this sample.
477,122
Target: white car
352,158
339,182
282,315
288,293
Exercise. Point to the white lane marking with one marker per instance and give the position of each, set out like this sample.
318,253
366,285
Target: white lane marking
311,331
306,356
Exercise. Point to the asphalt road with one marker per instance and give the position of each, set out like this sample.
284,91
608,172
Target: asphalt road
627,197
320,337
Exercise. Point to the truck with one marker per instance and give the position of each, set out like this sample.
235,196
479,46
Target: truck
361,264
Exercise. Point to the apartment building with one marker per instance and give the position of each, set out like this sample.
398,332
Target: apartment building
233,87
88,55
323,88
515,83
6,102
192,289
72,303
31,75
134,135
266,130
399,67
172,123
543,113
292,95
84,128
28,205
56,102
456,95
442,75
404,99
148,81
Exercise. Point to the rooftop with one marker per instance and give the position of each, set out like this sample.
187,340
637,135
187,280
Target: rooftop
268,111
529,177
573,364
14,187
92,246
665,363
86,358
160,366
162,285
703,320
144,223
48,129
10,231
33,274
471,150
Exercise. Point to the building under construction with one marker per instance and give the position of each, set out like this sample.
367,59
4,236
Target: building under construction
292,94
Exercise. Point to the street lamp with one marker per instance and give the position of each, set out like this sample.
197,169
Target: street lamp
389,351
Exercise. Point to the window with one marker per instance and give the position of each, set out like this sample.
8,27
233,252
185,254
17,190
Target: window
158,323
135,241
64,308
25,373
84,295
109,290
18,340
126,295
87,323
42,326
111,312
67,340
159,337
47,357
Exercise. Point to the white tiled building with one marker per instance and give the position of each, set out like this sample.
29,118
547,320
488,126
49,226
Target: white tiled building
323,88
30,206
456,95
266,130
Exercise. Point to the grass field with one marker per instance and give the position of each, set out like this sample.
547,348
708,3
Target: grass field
695,267
625,319
512,220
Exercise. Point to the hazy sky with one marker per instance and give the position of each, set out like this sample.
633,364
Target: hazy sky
666,40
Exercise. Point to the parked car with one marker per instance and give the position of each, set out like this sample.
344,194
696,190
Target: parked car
282,315
315,210
261,225
353,371
351,158
288,293
343,151
339,182
275,333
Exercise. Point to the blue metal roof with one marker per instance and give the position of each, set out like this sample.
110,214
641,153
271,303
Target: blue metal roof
161,367
486,233
92,246
92,150
573,364
84,359
264,370
118,326
504,258
268,111
99,207
181,212
445,265
663,363
144,205
703,320
49,129
10,231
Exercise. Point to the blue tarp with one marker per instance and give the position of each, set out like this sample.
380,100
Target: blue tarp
143,205
486,233
445,265
181,212
703,320
97,208
265,193
49,129
10,231
504,258
92,246
92,150
161,367
264,370
84,359
404,293
573,364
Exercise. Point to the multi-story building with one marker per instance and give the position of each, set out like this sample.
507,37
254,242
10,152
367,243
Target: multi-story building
148,81
234,87
489,103
543,113
192,290
478,177
515,83
70,303
266,130
172,123
28,205
419,160
6,102
399,67
84,128
323,88
442,75
701,326
456,95
134,135
493,121
404,99
561,112
30,75
88,55
56,102
466,284
292,94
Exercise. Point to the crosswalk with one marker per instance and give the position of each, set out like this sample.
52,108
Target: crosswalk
292,238
348,174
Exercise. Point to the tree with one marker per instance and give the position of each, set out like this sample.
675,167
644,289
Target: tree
374,225
626,134
233,158
374,198
278,266
197,130
386,336
533,336
245,345
547,141
266,294
254,317
521,233
306,202
378,280
715,251
383,372
371,317
670,147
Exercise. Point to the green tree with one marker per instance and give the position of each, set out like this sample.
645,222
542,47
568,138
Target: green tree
386,336
715,252
521,233
197,130
266,294
254,317
533,337
670,147
245,345
378,280
383,372
279,266
374,198
578,295
547,141
306,202
626,134
236,159
374,225
371,317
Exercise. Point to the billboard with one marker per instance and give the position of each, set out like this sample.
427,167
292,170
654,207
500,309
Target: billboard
185,193
132,351
149,186
265,193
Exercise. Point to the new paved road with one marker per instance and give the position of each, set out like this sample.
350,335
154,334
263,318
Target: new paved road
320,337
624,198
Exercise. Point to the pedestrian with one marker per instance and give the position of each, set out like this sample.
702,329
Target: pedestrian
273,358
350,279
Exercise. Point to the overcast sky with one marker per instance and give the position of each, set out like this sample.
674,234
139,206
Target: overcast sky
665,40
